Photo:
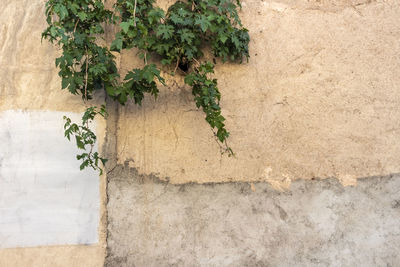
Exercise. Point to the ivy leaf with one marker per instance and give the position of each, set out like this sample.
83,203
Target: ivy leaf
186,35
79,142
116,45
235,41
155,15
103,161
223,38
165,31
84,164
53,32
176,18
82,16
203,22
61,10
64,83
148,75
125,26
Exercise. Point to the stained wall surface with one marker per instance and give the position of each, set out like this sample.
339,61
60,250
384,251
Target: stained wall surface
318,98
316,223
49,216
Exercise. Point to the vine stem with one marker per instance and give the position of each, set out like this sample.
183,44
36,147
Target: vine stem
86,73
76,24
196,61
221,144
177,64
134,14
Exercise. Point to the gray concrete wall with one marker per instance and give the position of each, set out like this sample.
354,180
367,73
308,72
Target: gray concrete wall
315,223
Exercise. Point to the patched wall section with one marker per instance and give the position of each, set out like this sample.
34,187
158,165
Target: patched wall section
316,223
44,198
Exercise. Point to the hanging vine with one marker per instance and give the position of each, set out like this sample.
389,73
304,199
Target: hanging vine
176,38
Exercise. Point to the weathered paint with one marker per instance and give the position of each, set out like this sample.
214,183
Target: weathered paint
44,198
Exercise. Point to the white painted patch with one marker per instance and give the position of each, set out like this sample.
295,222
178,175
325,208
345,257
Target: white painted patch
44,198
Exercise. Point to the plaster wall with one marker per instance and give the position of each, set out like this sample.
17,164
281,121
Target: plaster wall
315,223
318,98
29,85
314,109
44,198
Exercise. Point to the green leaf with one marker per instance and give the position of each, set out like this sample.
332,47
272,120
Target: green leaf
64,83
82,16
116,45
186,35
155,15
103,161
53,31
79,142
125,26
84,164
165,31
223,38
63,12
203,22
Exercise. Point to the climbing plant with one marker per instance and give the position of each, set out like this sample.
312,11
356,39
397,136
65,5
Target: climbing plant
175,38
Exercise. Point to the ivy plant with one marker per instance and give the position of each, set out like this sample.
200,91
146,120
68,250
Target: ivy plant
175,38
85,138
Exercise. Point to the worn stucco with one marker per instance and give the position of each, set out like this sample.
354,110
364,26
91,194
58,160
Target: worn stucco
318,98
316,223
29,83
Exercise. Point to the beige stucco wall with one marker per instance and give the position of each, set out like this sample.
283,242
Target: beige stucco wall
29,82
318,98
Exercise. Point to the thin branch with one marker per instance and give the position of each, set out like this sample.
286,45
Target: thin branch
76,24
134,14
86,73
177,64
196,61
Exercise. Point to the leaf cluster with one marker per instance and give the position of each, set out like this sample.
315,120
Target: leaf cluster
207,96
85,138
75,26
136,83
178,35
175,37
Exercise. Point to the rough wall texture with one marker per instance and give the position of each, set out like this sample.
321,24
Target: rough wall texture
316,223
318,98
29,83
